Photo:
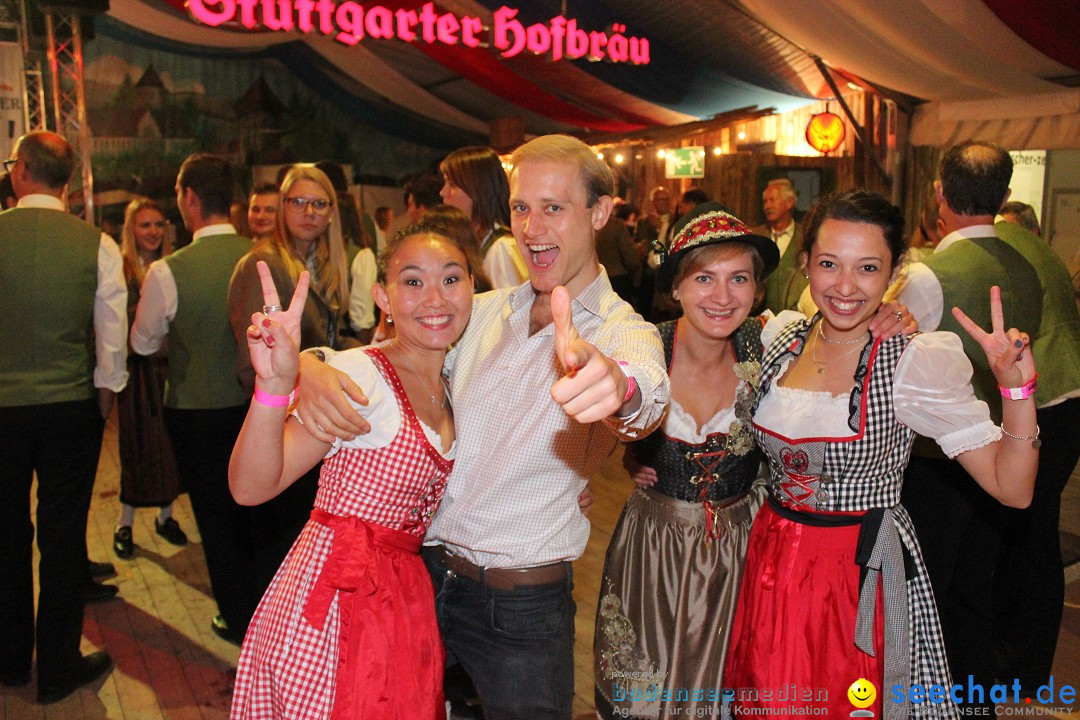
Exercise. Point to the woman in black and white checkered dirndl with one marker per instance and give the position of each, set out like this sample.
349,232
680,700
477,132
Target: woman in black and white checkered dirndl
835,502
834,588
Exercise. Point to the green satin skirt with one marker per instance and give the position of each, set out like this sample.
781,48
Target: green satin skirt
667,599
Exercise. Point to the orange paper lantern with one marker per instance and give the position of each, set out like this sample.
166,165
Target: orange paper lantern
825,132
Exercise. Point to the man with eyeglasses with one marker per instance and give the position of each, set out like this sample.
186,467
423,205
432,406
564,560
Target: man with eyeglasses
62,361
184,298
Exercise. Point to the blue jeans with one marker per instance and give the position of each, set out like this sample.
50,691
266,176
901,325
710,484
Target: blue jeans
516,645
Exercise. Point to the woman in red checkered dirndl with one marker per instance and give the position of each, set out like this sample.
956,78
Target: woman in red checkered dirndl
347,628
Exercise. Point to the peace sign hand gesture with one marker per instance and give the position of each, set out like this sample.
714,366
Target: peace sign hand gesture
274,338
1008,352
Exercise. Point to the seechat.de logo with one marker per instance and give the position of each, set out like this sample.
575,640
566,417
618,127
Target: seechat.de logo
974,693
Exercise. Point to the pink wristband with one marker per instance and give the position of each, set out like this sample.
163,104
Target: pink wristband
264,398
1021,393
631,383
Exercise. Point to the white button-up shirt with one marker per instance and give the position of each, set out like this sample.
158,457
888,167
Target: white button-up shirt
158,299
511,500
782,238
921,290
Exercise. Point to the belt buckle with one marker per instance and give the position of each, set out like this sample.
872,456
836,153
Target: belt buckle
457,565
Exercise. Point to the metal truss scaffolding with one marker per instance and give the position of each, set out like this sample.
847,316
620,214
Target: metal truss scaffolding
34,109
66,66
69,106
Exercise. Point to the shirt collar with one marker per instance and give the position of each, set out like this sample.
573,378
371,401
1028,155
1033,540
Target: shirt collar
786,231
971,231
219,229
522,296
594,292
41,200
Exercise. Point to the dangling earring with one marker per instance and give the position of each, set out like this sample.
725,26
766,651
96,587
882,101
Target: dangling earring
389,319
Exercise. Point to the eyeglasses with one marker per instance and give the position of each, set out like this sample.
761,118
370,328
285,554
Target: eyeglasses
8,164
300,205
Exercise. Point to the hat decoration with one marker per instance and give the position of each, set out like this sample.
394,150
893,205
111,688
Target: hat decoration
713,226
708,224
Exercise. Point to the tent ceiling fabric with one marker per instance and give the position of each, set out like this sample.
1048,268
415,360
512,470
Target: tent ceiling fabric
930,49
1031,122
708,57
1049,26
475,88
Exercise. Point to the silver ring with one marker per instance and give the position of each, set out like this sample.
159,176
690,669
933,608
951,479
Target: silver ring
899,316
267,309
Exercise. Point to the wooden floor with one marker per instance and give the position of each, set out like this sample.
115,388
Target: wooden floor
170,665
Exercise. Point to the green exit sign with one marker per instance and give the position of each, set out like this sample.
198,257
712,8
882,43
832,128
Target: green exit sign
685,162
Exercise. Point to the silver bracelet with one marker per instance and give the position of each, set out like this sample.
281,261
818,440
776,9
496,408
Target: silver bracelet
1036,443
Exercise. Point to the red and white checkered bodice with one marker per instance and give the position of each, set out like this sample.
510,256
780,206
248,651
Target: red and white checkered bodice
399,485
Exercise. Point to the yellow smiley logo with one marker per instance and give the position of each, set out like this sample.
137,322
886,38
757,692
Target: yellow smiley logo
862,693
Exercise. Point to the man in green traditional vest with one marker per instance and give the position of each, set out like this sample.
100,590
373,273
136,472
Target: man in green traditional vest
958,524
183,297
786,283
63,358
1027,621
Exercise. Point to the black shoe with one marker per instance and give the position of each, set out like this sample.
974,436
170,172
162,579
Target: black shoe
223,631
122,543
89,669
170,530
101,571
97,592
14,679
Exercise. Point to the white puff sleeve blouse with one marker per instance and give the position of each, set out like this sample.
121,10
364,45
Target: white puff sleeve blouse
932,395
382,408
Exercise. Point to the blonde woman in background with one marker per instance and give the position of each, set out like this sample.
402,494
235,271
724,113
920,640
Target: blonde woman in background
307,237
148,473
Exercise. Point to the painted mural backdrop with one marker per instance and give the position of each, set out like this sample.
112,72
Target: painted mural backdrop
151,103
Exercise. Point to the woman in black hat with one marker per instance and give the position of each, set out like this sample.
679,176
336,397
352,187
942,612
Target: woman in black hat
675,560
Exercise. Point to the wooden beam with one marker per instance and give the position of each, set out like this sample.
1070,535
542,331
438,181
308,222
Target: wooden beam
678,132
860,131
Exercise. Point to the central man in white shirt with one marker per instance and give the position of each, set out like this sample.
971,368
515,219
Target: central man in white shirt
546,379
